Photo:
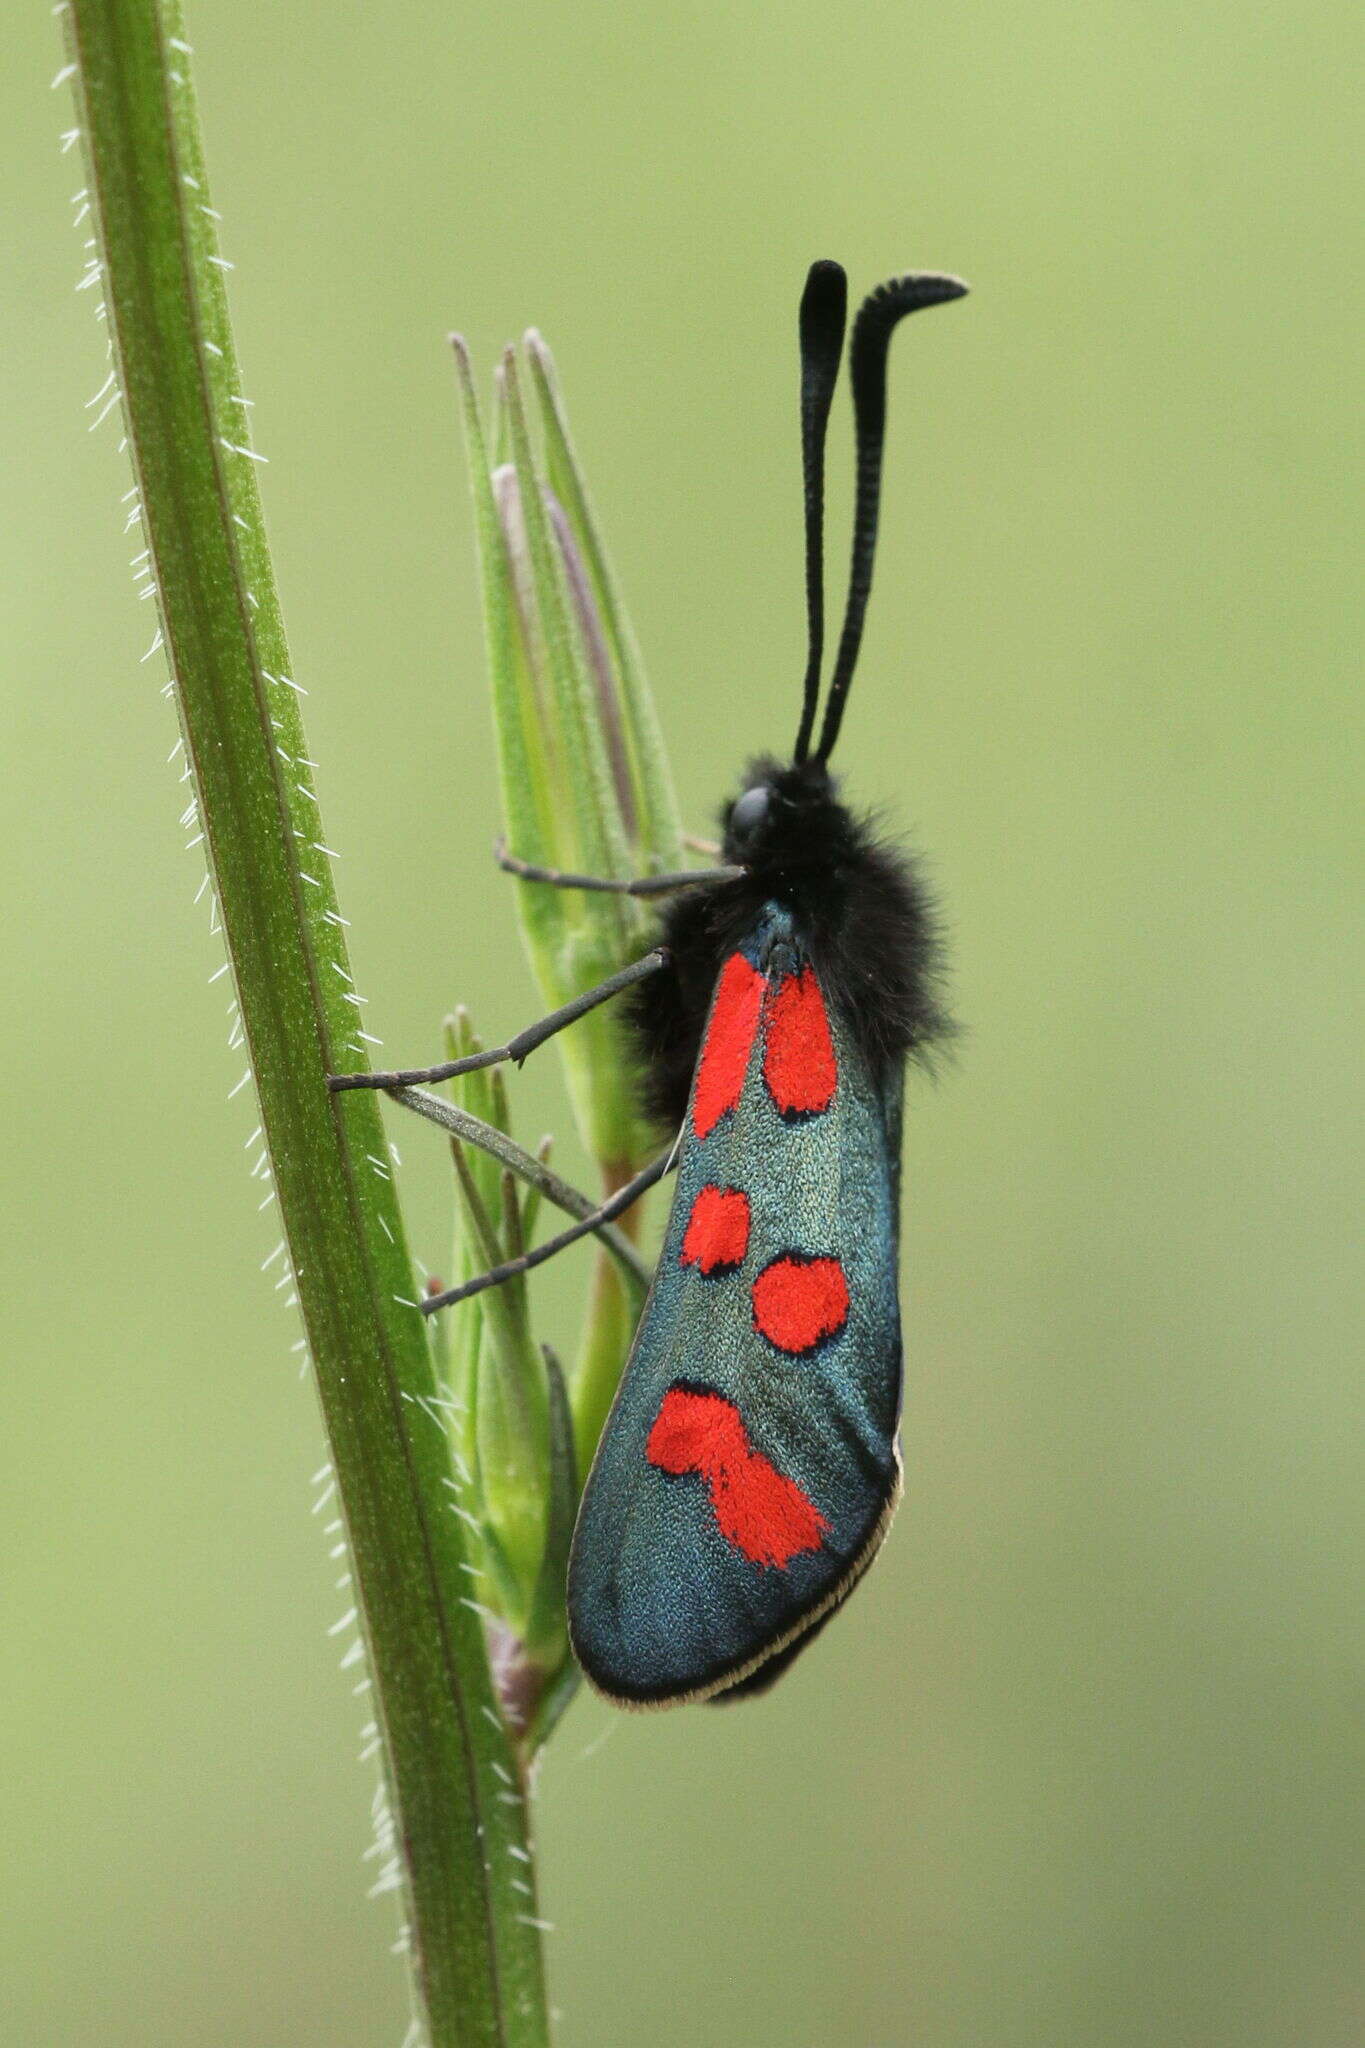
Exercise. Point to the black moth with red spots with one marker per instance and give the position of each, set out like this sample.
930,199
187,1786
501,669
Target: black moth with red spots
750,1466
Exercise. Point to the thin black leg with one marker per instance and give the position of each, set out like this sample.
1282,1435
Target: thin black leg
642,885
516,1048
618,1203
527,1167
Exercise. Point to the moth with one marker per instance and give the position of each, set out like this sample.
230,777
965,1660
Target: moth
749,1468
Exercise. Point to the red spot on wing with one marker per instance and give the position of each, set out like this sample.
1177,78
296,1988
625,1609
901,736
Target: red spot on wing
758,1510
717,1233
729,1037
798,1301
798,1062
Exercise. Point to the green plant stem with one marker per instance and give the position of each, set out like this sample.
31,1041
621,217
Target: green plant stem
614,1309
460,1818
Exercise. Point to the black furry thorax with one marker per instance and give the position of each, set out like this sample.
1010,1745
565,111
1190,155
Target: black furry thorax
858,902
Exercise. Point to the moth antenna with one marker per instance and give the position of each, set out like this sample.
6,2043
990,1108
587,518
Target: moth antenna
824,311
876,322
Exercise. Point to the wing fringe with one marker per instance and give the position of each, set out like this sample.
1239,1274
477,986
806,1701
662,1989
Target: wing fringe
830,1599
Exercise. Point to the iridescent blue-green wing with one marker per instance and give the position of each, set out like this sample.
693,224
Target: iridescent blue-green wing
749,1467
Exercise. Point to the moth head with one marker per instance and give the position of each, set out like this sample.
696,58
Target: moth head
768,825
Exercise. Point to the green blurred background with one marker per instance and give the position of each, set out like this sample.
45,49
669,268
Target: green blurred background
1081,1765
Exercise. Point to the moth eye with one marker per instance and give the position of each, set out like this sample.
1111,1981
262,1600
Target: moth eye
750,810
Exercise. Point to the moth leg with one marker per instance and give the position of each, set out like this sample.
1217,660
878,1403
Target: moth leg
516,1048
615,1206
529,1167
711,847
640,885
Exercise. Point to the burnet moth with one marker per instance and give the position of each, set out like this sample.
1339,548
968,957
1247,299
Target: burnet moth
749,1467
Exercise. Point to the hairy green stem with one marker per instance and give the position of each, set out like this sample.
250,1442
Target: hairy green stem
459,1834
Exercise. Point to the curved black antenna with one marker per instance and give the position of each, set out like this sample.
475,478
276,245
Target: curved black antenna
872,331
824,309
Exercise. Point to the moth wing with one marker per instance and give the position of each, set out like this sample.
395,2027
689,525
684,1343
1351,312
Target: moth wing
749,1467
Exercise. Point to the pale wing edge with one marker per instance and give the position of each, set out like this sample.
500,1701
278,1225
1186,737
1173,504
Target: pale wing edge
829,1598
